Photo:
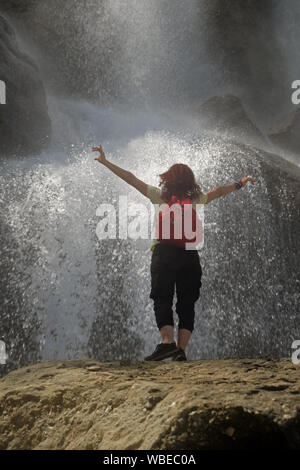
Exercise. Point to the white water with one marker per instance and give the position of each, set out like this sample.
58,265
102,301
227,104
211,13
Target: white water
87,296
65,294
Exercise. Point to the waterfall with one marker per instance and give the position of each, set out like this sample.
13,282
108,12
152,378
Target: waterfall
65,293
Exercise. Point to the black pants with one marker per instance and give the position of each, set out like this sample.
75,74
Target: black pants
170,267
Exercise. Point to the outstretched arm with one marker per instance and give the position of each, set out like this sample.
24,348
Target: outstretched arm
220,191
123,174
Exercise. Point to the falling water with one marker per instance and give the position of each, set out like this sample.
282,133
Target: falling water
66,294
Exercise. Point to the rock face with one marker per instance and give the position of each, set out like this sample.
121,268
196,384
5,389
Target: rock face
16,5
25,126
243,40
226,115
70,36
85,404
286,133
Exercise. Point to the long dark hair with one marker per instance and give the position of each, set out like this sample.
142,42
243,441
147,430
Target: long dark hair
179,181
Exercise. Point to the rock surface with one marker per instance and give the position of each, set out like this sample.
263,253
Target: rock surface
227,116
286,132
25,126
86,404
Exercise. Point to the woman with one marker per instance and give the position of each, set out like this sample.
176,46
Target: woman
173,266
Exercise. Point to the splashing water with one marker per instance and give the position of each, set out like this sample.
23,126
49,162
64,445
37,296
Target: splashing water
64,293
79,296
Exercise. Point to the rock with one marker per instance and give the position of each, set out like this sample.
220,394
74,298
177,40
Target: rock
229,431
93,368
225,115
286,132
246,49
25,126
68,41
78,410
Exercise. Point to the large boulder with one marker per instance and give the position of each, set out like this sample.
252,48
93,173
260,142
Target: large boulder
285,133
25,126
226,115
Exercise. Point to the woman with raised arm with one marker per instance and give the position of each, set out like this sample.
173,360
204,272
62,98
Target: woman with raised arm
172,265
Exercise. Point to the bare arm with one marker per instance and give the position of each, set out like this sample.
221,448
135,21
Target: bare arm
220,191
123,174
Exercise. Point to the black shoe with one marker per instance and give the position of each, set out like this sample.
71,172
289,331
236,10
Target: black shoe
162,351
179,355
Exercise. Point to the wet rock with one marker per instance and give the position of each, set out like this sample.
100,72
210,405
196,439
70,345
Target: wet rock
286,132
25,126
226,115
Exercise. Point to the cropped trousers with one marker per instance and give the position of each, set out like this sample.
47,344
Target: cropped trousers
175,268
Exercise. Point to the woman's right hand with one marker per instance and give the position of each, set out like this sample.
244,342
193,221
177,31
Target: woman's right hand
245,180
101,158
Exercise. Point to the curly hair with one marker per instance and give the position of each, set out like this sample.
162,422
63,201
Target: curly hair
179,181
